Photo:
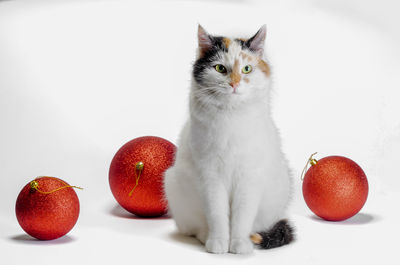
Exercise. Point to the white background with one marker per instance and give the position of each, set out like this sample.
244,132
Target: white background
78,79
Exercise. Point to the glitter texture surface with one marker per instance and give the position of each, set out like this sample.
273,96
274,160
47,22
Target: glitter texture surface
336,188
47,216
157,155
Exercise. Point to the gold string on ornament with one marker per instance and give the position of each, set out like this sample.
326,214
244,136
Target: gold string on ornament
35,185
138,167
311,161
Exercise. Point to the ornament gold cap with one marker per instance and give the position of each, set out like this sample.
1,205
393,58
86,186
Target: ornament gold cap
139,165
34,184
312,161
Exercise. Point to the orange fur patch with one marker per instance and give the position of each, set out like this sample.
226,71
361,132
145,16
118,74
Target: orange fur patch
264,67
235,75
256,238
227,42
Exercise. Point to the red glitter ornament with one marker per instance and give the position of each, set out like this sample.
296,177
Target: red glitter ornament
47,208
136,175
335,188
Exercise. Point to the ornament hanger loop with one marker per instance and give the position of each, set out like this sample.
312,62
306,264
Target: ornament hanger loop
35,185
310,161
138,167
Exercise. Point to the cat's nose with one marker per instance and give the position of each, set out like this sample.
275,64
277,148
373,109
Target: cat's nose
234,84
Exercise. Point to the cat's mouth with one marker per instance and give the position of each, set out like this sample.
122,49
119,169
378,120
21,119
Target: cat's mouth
234,87
235,91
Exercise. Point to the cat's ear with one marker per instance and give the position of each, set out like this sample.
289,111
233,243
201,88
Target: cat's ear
205,40
256,43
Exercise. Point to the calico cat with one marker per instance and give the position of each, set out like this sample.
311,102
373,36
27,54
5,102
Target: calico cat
230,183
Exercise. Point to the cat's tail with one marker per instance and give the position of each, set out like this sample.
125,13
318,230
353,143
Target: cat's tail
280,234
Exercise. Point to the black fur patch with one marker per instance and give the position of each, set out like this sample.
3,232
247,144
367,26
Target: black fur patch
208,58
246,44
280,234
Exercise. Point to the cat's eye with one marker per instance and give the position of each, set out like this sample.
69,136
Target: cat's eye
247,69
220,68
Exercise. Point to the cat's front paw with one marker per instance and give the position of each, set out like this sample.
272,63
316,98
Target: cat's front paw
241,246
217,245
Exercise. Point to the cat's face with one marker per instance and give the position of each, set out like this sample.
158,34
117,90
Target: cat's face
230,71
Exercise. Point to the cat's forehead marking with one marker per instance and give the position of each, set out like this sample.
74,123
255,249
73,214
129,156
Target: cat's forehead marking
247,56
235,74
226,42
234,50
